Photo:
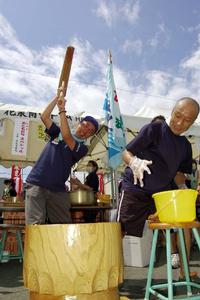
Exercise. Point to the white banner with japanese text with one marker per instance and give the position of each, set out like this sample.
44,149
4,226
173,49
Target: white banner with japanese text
20,136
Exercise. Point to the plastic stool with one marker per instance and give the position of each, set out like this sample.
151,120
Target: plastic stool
5,228
152,289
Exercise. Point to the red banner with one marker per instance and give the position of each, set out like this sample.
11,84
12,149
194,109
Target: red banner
101,183
16,175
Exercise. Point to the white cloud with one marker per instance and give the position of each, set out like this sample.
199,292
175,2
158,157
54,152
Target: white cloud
193,62
190,29
161,37
31,77
106,11
191,67
112,12
159,82
87,85
132,46
131,10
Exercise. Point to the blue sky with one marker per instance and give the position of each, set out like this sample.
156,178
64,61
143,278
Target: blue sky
155,46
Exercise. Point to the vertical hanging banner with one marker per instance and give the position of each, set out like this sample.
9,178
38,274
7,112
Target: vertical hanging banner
20,137
16,175
18,185
41,132
16,172
101,182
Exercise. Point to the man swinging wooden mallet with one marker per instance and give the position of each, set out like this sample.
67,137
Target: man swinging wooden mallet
46,197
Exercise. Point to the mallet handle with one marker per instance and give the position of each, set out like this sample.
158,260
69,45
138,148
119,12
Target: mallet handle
64,76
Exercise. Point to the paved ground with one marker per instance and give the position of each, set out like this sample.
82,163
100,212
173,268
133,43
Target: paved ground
11,282
135,278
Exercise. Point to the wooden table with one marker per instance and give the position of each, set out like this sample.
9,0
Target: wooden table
12,214
12,230
12,208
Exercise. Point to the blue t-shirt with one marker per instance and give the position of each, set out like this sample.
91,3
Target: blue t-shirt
54,164
169,153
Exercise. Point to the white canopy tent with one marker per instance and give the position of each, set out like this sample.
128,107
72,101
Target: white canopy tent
132,125
148,113
22,135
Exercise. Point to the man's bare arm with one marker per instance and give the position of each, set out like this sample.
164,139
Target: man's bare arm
46,115
64,126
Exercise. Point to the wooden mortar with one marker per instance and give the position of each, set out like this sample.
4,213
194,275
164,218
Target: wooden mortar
73,259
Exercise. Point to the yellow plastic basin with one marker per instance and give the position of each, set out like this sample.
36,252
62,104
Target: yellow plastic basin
176,205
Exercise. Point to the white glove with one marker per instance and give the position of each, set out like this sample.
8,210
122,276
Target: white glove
138,166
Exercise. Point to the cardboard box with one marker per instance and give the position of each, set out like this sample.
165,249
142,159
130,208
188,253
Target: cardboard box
137,250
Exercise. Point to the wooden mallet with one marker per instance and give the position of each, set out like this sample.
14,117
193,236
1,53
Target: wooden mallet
64,76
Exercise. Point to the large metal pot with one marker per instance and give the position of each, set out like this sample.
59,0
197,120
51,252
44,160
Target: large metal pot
16,199
82,197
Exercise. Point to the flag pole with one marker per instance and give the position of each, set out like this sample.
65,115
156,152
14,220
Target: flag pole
112,172
114,186
110,56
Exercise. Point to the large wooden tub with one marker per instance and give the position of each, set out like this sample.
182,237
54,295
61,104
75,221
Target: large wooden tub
83,260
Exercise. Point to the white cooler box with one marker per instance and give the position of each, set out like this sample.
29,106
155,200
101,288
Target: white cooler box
137,250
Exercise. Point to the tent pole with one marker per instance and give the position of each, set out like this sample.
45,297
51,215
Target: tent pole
114,188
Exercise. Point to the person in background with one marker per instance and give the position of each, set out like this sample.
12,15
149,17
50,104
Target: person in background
9,189
153,159
91,181
193,178
91,184
159,118
46,195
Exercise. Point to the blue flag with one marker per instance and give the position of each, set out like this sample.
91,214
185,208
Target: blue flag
116,135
